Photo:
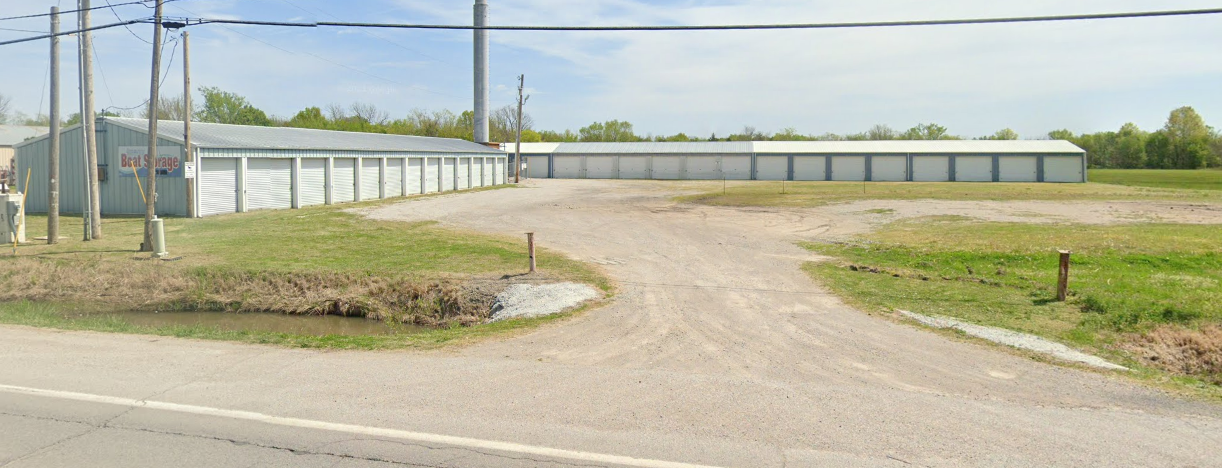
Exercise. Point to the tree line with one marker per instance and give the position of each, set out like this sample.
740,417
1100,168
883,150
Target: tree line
1184,142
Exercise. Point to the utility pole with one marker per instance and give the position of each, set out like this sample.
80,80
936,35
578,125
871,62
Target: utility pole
93,225
480,133
80,83
517,158
186,119
53,156
150,163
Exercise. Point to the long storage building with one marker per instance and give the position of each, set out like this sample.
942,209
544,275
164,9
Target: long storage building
245,168
879,161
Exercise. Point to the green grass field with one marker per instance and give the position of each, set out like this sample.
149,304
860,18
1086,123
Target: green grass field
1162,178
309,261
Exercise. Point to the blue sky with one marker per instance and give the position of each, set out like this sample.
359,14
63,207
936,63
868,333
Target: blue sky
1086,76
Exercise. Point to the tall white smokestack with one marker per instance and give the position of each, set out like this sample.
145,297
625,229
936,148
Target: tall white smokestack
481,72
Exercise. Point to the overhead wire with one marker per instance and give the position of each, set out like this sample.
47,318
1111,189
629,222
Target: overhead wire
108,5
129,30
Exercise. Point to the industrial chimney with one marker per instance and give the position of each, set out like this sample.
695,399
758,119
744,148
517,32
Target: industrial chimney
481,72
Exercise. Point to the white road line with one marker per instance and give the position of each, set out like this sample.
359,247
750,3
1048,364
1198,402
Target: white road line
353,429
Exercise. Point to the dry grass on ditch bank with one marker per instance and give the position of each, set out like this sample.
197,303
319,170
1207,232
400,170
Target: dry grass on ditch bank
1181,350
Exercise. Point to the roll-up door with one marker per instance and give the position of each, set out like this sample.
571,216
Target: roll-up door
973,168
218,189
667,167
889,168
600,167
568,167
394,177
415,167
489,164
930,168
850,168
449,168
477,172
736,167
809,168
536,167
313,180
772,167
1017,169
634,167
343,180
464,173
1063,169
703,168
371,178
269,183
499,170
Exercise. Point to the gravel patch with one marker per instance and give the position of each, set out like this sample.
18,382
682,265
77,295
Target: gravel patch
1015,339
528,300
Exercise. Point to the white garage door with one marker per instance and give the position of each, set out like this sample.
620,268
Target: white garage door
634,167
809,168
1062,169
269,183
1017,168
703,168
536,167
218,186
394,178
313,180
849,168
343,180
973,169
568,167
432,175
415,170
667,167
600,167
487,173
464,173
889,168
449,170
736,167
772,168
371,179
930,168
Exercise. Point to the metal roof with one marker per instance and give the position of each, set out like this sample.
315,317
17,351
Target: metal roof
11,135
648,147
531,148
918,146
210,135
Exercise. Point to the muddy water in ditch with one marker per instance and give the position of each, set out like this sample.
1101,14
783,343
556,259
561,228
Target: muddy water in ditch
267,322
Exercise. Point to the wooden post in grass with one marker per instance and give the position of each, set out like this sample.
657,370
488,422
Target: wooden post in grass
1063,276
530,247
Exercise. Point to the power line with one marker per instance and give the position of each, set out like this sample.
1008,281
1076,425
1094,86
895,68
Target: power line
63,12
129,30
69,33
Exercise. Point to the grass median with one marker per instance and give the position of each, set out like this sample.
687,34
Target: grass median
312,261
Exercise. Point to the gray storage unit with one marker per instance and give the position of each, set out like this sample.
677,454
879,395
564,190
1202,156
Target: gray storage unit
415,176
568,167
1063,169
703,168
772,168
464,173
809,168
601,167
634,167
343,180
313,181
930,168
218,179
849,168
973,169
1018,169
537,166
269,184
736,167
371,179
889,168
667,167
432,175
449,173
394,178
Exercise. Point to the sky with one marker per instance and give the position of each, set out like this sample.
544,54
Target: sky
1085,76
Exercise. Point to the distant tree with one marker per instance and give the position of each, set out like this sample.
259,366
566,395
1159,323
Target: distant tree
6,106
1158,151
1062,135
882,132
1189,138
1130,147
168,108
1003,134
368,114
310,117
503,123
531,136
228,108
553,136
930,131
611,130
75,118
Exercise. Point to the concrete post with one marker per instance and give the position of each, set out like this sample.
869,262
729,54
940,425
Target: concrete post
481,72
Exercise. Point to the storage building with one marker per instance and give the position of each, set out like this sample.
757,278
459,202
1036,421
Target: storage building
879,161
245,168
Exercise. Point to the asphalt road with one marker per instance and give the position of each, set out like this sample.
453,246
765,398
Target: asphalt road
717,351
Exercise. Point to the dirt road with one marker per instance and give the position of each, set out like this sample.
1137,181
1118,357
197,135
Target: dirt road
717,350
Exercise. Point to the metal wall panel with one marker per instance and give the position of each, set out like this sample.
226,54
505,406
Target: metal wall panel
269,184
415,184
849,168
930,168
772,167
973,168
600,167
313,181
667,167
394,177
634,167
889,168
343,180
809,168
464,173
703,168
449,168
736,167
1063,169
218,186
1017,169
568,167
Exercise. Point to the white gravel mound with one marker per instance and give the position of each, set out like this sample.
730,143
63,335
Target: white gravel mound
528,300
1015,339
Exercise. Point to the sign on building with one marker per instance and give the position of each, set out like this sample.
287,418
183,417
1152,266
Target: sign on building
134,161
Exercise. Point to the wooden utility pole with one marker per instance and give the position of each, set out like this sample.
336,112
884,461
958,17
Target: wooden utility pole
93,228
530,248
1063,276
53,154
186,120
517,158
150,164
